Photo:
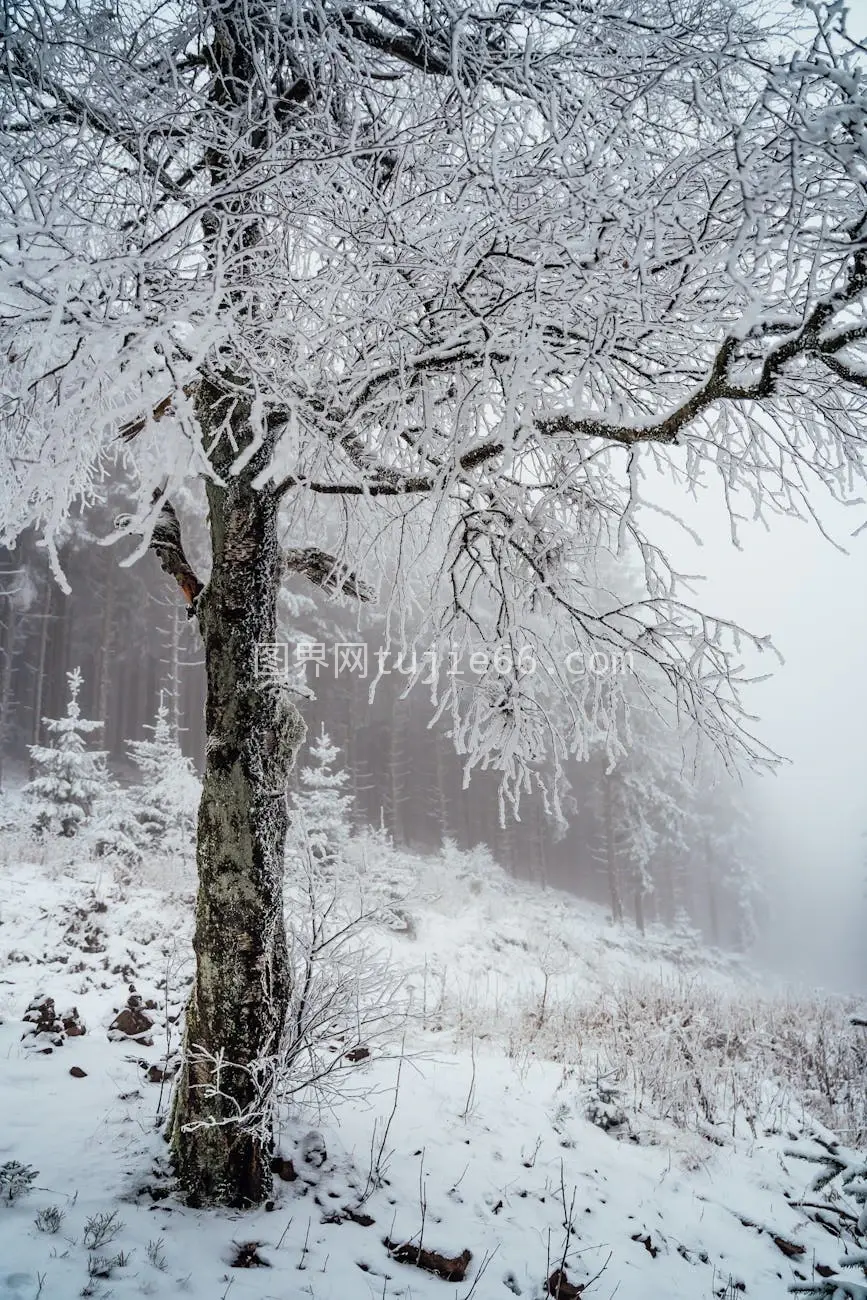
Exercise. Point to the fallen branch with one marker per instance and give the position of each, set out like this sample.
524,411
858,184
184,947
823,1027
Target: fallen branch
451,1268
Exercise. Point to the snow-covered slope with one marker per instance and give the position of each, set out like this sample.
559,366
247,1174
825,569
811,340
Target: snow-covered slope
572,1101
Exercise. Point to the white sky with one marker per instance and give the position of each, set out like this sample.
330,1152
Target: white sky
793,584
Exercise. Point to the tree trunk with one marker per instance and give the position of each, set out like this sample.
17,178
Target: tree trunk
397,774
238,1004
174,675
713,912
105,651
7,662
443,812
611,852
666,897
39,679
540,853
639,907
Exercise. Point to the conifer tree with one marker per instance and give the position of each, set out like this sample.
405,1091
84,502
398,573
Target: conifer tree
321,804
69,776
164,804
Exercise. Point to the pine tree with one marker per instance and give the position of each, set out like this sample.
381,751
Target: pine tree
321,805
69,776
164,804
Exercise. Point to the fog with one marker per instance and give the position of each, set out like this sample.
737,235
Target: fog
793,584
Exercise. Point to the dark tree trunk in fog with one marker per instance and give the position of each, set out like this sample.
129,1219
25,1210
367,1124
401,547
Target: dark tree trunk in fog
539,866
238,1004
666,900
611,865
39,678
639,908
443,815
174,674
712,898
55,689
106,648
397,773
7,664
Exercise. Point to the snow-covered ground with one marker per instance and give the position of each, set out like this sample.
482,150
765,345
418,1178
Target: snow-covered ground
573,1099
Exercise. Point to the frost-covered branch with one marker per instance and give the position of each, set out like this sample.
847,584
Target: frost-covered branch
459,281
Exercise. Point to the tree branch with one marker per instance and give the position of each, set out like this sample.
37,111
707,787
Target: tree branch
166,543
134,427
719,388
81,113
409,44
324,571
391,483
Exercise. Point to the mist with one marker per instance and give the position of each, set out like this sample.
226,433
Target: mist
809,593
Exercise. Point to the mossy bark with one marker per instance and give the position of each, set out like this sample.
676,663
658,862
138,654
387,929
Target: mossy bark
237,1008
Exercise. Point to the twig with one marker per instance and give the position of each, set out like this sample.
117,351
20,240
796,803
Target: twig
472,1089
489,1255
301,1264
283,1233
596,1276
377,1157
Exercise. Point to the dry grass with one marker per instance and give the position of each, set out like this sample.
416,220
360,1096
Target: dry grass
679,1050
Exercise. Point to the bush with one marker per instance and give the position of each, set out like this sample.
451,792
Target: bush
16,1180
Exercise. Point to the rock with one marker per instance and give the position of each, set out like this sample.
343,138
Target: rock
247,1256
42,1015
560,1288
283,1168
313,1150
160,1073
357,1054
132,1022
44,1029
77,1072
73,1025
358,1216
42,1044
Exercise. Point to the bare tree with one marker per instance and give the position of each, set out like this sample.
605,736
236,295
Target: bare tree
442,278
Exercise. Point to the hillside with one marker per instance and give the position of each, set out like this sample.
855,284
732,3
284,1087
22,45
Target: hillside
575,1106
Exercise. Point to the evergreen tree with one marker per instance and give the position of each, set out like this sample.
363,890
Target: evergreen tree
321,804
69,776
643,804
731,854
164,804
114,830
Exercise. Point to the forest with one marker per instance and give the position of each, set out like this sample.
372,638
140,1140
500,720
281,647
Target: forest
383,904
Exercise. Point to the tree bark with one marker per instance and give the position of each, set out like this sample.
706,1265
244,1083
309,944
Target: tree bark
221,1126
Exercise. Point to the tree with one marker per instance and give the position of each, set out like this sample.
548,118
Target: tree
69,776
444,279
729,849
322,805
164,804
18,593
645,801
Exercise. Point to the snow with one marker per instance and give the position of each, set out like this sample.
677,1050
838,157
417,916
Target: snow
478,1133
